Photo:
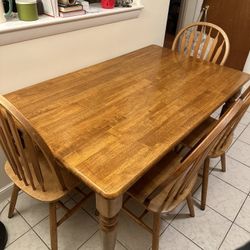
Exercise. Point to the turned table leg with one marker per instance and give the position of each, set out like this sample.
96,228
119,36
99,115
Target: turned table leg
108,215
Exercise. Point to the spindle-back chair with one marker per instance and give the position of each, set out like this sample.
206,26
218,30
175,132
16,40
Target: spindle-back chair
33,168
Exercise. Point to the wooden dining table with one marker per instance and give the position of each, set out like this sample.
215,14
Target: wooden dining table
110,123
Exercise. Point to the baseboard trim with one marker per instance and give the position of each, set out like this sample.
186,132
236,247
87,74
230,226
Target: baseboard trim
5,192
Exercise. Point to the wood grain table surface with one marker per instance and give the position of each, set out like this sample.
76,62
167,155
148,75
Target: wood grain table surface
110,122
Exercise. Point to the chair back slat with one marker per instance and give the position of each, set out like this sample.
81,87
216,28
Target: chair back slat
191,41
212,49
8,154
198,44
182,180
245,98
7,137
202,40
33,154
19,148
24,147
218,53
183,43
207,40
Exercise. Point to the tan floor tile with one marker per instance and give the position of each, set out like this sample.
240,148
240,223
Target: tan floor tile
223,198
243,218
241,152
28,241
237,237
16,226
32,210
245,136
72,233
236,174
207,229
94,243
171,239
246,119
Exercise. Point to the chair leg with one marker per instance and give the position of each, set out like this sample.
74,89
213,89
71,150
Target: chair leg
156,231
13,200
223,162
205,183
190,205
53,226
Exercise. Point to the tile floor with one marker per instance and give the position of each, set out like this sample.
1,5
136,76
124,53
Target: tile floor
225,224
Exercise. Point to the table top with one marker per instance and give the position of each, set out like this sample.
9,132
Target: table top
109,123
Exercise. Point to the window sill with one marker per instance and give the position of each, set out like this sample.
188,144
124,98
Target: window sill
14,30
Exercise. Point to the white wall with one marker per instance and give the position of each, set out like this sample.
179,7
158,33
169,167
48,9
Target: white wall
26,63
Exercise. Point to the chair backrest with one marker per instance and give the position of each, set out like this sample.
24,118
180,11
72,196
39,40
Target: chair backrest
23,147
203,40
176,186
224,143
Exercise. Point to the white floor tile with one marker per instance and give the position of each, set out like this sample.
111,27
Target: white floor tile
89,205
245,136
172,214
138,209
16,226
245,119
223,198
241,152
239,129
243,218
171,239
236,174
207,229
132,235
28,241
237,237
94,243
72,233
32,210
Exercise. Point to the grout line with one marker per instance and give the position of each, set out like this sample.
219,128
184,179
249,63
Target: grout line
215,210
17,238
186,237
238,161
32,227
229,184
241,227
92,235
243,141
40,238
122,244
233,222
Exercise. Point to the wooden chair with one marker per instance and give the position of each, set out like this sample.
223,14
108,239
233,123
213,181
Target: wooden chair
172,179
203,40
33,168
220,149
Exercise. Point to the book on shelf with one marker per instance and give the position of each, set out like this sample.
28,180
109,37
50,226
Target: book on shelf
50,7
69,8
72,13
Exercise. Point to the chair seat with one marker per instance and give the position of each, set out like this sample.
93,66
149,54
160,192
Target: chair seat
53,189
141,190
201,131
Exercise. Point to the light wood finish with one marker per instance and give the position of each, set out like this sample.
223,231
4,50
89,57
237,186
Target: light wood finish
32,167
189,41
221,147
172,180
108,219
117,118
111,122
13,200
